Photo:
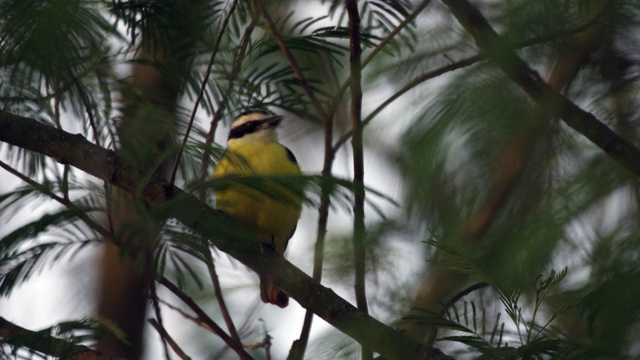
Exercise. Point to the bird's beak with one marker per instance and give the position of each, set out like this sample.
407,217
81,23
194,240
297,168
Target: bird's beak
273,121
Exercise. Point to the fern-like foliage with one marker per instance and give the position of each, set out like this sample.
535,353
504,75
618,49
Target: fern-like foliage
525,336
21,260
61,337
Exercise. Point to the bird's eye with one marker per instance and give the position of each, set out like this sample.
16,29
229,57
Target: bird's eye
250,127
244,129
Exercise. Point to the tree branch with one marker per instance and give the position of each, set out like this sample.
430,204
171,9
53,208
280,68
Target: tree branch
104,164
530,81
304,84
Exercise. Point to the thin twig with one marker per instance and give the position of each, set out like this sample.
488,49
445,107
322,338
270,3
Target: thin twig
236,346
244,43
358,156
213,274
299,346
153,294
298,349
412,84
203,87
193,319
167,339
355,49
292,62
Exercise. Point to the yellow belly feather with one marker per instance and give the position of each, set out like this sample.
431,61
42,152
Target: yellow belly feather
272,218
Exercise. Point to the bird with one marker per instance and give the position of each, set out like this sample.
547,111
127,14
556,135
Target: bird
272,211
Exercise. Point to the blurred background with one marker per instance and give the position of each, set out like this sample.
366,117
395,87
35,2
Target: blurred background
492,228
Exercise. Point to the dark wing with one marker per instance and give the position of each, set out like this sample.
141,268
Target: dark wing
290,155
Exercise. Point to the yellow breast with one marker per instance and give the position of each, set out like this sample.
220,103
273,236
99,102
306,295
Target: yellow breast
267,207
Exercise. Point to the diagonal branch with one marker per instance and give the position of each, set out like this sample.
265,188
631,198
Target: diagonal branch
217,290
222,104
618,148
104,164
236,345
203,87
164,334
159,323
293,63
412,84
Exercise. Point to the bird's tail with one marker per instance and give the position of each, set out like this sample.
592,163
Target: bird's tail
271,294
